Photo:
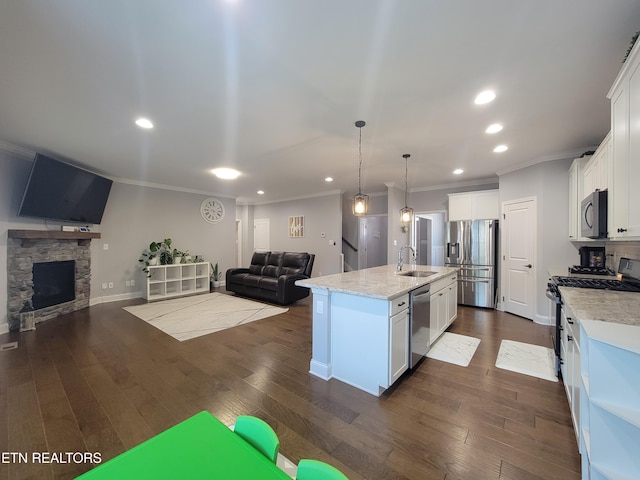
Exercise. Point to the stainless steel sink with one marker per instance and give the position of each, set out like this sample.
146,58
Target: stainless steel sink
417,273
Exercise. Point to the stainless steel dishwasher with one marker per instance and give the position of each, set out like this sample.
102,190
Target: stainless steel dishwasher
420,310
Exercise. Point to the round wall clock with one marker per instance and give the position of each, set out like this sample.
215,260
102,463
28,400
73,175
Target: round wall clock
212,210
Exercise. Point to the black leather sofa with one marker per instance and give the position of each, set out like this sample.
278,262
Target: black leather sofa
272,276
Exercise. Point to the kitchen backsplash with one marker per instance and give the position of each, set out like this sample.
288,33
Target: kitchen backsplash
615,250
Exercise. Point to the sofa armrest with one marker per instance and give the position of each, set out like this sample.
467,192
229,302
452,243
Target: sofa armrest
235,271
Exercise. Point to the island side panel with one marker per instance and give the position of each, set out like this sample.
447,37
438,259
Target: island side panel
360,341
320,365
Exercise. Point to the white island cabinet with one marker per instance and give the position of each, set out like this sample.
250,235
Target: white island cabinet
602,378
361,324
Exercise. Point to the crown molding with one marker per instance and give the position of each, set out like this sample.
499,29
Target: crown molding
161,186
20,152
241,201
444,186
577,153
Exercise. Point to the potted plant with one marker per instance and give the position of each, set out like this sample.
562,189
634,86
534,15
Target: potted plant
165,252
177,256
156,252
215,276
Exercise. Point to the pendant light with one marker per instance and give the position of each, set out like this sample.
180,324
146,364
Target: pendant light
360,201
406,213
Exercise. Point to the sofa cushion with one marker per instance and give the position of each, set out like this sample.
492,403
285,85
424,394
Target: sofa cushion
274,264
269,283
251,280
238,278
258,261
294,263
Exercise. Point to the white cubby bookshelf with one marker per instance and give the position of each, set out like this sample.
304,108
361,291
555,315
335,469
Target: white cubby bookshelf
167,281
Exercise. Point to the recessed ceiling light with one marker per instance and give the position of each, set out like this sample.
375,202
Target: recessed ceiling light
260,192
501,148
226,173
494,128
144,123
485,97
458,171
328,179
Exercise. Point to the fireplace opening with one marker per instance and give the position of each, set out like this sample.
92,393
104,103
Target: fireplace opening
53,283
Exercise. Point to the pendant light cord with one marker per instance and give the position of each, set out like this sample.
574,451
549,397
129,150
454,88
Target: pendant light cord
360,159
406,174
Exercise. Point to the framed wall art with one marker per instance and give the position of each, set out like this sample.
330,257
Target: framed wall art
296,226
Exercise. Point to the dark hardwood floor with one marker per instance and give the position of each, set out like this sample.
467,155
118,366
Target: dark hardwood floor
101,380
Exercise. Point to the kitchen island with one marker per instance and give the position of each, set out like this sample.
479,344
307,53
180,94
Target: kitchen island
361,322
601,360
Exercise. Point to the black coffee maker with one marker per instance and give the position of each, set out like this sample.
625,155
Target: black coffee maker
592,256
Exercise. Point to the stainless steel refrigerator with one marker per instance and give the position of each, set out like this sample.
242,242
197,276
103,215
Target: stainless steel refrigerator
472,246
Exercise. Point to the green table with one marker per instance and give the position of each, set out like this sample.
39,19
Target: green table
199,447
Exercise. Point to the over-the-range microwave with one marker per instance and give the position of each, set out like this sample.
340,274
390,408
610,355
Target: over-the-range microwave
593,215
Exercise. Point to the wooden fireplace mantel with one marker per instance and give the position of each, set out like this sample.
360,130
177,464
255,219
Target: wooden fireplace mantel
83,238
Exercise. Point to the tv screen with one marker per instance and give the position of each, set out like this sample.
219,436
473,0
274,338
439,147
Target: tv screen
59,191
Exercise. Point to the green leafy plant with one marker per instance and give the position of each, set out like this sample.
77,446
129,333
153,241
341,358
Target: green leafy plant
633,41
160,250
215,272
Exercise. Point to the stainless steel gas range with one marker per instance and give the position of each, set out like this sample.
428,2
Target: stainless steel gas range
626,280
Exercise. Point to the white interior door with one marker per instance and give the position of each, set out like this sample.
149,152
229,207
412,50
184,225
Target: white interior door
519,240
261,235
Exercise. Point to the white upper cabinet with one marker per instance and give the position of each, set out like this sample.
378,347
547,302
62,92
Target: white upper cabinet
624,194
481,205
596,170
576,194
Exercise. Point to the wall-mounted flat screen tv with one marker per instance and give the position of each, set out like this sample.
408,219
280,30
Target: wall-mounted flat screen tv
59,191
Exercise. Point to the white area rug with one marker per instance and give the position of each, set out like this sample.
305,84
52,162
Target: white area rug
532,360
454,348
190,317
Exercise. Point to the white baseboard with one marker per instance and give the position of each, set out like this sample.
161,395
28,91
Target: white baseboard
320,370
544,320
4,328
114,298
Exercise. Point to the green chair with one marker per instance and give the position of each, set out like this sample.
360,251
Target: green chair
259,435
316,470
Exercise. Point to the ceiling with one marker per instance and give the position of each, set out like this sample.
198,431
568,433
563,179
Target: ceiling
273,88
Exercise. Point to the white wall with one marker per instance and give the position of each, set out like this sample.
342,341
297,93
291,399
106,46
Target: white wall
321,215
134,217
549,183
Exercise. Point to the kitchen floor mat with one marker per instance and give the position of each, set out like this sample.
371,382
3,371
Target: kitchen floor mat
533,360
454,348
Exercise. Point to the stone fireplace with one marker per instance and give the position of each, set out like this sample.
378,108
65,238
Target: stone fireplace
28,247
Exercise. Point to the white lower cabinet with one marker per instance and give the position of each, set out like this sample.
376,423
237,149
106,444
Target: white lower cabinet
369,340
166,281
444,305
570,366
398,345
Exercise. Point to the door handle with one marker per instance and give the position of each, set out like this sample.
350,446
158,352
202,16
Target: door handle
528,265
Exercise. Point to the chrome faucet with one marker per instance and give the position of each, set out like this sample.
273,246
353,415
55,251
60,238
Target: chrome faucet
413,257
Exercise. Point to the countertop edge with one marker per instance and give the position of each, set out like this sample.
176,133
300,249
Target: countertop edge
387,271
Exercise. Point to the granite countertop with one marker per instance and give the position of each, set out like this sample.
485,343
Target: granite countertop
603,305
608,316
377,282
